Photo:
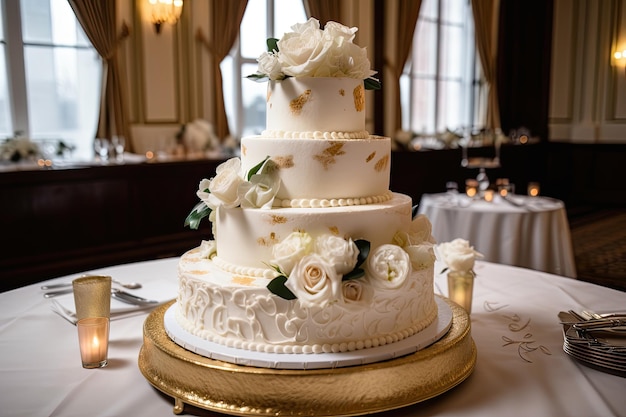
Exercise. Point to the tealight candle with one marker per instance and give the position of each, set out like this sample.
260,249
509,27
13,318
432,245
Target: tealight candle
488,195
533,189
93,339
471,188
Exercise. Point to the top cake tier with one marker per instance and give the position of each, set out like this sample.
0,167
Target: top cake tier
323,108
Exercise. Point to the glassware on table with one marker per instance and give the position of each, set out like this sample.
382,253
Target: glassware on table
103,150
119,145
93,341
471,188
461,288
533,189
92,296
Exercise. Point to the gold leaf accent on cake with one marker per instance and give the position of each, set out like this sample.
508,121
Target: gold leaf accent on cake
268,241
334,230
269,94
276,219
382,163
298,103
370,156
284,162
342,92
328,156
244,150
359,97
247,281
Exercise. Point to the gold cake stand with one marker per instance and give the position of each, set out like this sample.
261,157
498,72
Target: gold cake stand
250,391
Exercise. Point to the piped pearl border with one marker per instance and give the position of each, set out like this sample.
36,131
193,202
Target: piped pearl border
363,134
333,202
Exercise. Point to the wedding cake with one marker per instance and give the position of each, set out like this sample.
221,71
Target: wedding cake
311,251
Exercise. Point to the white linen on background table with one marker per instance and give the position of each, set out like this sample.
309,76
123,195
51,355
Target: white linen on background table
521,369
535,235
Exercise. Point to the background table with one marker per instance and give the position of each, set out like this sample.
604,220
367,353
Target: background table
533,234
521,369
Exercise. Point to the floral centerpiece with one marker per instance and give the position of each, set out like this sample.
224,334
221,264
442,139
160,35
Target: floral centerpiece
309,51
459,258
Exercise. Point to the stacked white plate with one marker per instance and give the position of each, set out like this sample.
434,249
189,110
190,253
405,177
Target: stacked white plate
603,349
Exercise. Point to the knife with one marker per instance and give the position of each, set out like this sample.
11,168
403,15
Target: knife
55,286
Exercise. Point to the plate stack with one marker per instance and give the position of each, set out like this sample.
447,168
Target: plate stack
598,342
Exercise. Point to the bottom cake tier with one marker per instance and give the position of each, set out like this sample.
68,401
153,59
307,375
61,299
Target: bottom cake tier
353,390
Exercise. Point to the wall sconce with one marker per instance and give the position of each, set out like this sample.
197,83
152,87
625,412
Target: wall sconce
619,58
164,11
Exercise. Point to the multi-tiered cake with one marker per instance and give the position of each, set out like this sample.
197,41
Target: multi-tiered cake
311,253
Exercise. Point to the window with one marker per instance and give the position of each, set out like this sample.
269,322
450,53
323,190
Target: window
54,74
439,87
245,99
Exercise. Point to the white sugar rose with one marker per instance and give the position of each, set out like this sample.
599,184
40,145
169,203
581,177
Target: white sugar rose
259,192
355,291
422,256
337,251
314,282
388,266
270,65
419,232
208,248
288,252
223,187
458,255
302,51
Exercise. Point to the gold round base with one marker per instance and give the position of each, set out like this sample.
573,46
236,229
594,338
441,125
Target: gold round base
249,391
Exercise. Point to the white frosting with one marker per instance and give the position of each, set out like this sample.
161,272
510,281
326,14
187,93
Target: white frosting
320,169
239,311
245,236
316,105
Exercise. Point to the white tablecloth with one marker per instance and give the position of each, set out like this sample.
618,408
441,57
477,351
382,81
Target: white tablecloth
521,369
534,234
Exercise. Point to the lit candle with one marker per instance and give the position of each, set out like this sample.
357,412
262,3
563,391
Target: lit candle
488,195
471,188
93,339
533,189
461,288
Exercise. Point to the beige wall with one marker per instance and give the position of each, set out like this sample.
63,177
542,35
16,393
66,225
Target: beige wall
588,91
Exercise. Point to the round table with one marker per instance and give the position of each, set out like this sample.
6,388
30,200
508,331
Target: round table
531,232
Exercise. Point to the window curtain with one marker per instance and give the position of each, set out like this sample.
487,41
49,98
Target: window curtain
323,10
407,14
226,18
486,17
97,19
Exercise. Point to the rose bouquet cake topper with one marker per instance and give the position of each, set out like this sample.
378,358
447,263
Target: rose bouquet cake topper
310,51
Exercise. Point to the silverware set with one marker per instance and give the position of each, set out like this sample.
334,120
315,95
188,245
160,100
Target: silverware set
597,340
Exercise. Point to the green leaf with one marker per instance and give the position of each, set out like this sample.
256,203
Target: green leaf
272,45
354,274
364,251
414,211
258,77
277,286
199,212
257,167
372,84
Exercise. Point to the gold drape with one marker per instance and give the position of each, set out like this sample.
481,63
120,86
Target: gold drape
223,28
97,19
486,22
323,10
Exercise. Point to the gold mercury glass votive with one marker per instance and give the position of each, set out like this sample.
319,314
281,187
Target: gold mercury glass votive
471,188
461,288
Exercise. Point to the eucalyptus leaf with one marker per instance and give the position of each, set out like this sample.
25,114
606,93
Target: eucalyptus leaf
258,77
277,286
199,212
